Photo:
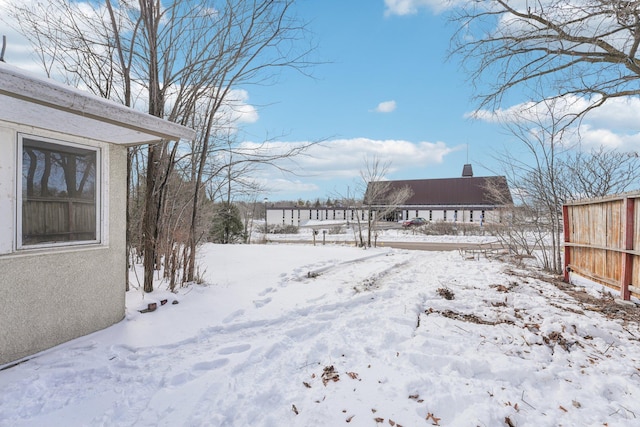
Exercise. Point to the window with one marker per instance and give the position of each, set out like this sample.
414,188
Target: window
59,193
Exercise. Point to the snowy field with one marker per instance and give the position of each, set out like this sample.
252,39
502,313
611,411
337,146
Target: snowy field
302,335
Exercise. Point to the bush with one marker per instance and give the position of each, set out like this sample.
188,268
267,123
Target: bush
335,230
283,229
443,228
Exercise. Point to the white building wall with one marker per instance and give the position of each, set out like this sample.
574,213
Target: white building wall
300,216
53,295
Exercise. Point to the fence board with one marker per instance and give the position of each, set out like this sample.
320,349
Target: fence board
47,220
602,241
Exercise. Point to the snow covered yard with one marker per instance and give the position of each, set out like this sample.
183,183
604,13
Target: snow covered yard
297,335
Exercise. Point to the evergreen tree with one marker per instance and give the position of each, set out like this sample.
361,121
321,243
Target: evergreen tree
227,224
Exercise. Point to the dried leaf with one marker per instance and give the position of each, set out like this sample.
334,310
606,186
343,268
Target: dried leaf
414,396
349,418
306,384
576,404
436,420
295,410
379,420
508,422
329,374
352,375
562,408
391,422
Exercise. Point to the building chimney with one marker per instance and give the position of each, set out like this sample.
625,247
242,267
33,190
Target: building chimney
467,171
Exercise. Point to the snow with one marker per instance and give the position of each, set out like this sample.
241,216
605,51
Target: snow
328,335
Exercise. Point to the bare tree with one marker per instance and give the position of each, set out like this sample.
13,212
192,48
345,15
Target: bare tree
585,51
546,168
182,60
535,175
380,197
600,172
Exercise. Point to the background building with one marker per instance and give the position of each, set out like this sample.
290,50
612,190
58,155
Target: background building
465,199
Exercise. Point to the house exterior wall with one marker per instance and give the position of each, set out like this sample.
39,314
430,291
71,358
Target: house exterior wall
52,295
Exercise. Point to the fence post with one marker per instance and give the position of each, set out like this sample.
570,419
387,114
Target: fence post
627,259
567,239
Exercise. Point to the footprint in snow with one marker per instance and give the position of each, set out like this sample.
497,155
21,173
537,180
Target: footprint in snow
261,302
233,316
196,370
266,291
234,349
210,365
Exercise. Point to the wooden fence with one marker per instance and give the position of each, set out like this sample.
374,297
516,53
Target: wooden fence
602,241
58,220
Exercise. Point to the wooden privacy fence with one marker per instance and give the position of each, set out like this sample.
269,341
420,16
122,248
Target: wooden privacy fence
58,220
602,241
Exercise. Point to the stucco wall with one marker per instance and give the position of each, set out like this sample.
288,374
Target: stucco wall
49,296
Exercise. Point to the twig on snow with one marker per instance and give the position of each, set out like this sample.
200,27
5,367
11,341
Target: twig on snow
610,345
524,401
462,329
628,410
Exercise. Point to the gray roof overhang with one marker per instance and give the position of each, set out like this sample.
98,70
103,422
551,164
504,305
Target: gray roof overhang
31,100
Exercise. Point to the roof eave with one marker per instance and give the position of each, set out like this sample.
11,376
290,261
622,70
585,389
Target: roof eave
45,103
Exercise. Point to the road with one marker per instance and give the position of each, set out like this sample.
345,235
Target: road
419,246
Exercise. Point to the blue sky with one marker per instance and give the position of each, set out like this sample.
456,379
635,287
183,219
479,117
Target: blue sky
374,59
385,90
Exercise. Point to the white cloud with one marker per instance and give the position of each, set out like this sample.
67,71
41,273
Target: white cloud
592,137
614,125
620,113
386,107
411,7
345,157
274,186
238,109
341,160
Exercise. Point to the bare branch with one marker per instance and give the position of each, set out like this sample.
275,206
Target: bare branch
589,49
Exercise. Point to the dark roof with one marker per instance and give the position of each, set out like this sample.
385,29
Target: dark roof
456,191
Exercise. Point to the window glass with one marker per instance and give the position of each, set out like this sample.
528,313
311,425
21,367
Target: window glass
59,193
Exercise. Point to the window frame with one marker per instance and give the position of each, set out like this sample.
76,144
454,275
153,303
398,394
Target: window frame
98,199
